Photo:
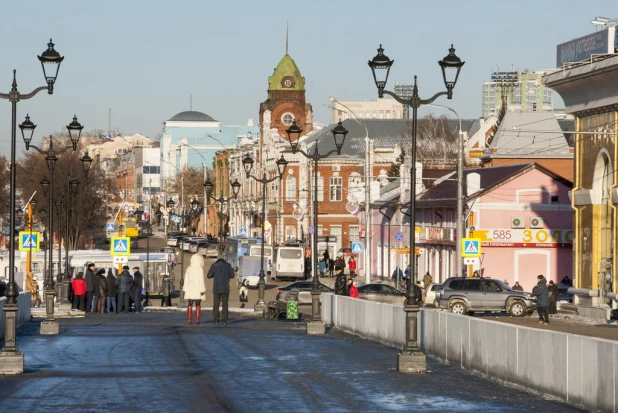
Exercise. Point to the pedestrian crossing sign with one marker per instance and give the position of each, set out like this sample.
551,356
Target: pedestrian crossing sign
471,247
29,241
357,247
110,226
121,246
243,232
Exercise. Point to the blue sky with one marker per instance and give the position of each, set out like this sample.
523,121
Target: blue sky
143,59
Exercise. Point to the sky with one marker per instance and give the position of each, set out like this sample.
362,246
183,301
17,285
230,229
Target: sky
144,59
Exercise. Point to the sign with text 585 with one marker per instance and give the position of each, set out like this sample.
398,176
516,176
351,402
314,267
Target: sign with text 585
556,236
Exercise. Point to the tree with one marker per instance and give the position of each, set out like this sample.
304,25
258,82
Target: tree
5,173
500,117
87,206
396,166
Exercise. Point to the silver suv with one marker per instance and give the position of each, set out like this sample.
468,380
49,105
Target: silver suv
466,295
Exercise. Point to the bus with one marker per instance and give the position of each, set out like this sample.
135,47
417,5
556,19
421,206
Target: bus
237,247
159,264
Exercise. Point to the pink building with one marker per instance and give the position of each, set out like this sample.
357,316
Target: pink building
521,213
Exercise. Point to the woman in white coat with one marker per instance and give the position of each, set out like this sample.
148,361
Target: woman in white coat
194,286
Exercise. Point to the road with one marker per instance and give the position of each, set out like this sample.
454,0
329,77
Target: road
155,362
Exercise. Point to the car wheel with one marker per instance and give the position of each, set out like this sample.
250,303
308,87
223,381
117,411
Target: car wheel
518,309
459,307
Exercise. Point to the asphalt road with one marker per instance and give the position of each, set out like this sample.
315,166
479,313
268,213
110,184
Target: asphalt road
155,362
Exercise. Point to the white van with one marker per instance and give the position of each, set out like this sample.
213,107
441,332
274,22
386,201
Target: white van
289,263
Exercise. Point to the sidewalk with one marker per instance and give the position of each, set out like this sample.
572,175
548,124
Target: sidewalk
154,362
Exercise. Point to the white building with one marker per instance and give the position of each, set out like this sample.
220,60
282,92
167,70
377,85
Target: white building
367,109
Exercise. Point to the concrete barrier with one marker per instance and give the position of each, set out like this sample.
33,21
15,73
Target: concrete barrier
581,370
23,314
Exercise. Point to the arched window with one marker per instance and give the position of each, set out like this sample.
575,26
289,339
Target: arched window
287,119
290,188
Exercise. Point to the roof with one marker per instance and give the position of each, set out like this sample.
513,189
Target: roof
286,67
191,116
444,193
529,135
385,133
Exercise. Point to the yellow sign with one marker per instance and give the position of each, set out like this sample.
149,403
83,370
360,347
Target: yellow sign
120,246
406,251
475,153
29,241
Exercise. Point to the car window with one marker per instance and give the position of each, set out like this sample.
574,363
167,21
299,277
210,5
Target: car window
473,285
435,287
387,289
290,253
456,285
372,288
491,287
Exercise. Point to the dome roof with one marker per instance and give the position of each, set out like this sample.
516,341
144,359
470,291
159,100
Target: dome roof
192,116
286,68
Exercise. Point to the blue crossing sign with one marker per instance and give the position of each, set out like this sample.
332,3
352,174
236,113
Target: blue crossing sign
29,241
243,232
120,246
311,229
398,236
357,247
471,247
109,226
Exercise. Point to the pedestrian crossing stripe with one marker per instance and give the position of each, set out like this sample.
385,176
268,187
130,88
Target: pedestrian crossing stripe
471,247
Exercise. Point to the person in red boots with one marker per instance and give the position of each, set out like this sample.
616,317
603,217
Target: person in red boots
194,287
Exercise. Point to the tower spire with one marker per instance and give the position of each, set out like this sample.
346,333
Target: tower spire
287,24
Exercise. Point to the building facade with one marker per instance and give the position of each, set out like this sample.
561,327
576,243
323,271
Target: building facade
523,91
590,93
366,109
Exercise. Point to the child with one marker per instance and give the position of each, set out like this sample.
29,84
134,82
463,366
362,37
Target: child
244,293
354,290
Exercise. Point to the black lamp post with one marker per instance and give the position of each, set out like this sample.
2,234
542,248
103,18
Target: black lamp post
282,164
50,325
411,359
72,185
221,200
50,59
315,325
139,214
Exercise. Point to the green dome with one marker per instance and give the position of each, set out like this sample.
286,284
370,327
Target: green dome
286,68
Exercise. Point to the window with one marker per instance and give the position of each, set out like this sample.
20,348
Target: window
150,169
456,285
491,287
290,232
320,188
287,119
336,188
473,285
290,188
354,231
320,230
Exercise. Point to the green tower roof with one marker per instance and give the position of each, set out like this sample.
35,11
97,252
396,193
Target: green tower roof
286,67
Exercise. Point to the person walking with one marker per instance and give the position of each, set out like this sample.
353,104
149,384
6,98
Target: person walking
331,267
553,297
326,255
243,294
322,266
417,293
89,278
112,290
307,266
427,279
125,283
79,292
352,266
166,291
221,272
542,299
517,286
137,288
354,290
101,291
340,281
194,287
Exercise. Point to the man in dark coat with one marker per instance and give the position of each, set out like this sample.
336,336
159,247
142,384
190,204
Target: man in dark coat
166,291
517,286
101,290
340,281
125,282
542,299
90,288
112,290
221,273
553,297
136,291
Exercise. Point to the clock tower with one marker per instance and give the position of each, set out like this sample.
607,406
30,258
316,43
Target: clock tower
286,100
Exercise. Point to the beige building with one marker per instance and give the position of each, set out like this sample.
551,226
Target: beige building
366,109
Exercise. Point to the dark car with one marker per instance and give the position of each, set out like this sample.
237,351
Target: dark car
382,293
466,295
563,293
304,291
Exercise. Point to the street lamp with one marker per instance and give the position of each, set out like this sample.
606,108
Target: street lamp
208,185
139,215
411,359
282,164
50,325
315,325
13,360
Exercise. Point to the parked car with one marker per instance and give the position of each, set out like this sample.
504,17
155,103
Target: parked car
304,291
431,294
194,243
209,250
172,241
382,293
466,295
186,242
